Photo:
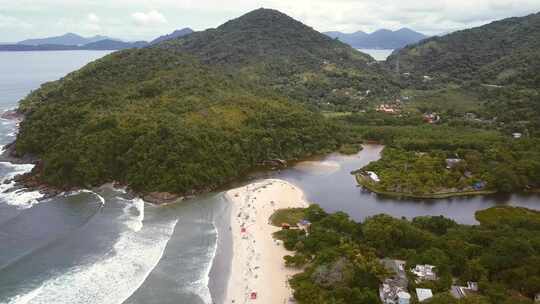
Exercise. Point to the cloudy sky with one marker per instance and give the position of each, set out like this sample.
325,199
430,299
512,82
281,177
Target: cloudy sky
146,19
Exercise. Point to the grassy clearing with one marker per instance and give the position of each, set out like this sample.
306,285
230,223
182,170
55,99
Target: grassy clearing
444,100
290,216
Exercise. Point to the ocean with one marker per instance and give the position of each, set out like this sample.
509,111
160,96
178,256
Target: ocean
377,54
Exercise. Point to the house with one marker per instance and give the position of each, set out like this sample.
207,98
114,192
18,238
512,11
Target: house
389,293
373,176
452,162
517,135
425,272
304,225
423,294
479,185
397,267
386,108
394,289
403,297
432,118
459,292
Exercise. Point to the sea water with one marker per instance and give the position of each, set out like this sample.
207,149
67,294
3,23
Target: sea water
377,54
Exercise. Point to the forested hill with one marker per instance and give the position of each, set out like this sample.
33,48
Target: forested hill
275,50
502,52
173,118
266,34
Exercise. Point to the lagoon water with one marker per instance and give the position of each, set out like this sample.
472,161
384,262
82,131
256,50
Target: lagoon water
103,246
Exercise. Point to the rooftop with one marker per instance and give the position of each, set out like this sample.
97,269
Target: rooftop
423,294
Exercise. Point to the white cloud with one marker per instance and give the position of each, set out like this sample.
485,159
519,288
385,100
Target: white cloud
92,23
150,18
9,22
93,18
147,20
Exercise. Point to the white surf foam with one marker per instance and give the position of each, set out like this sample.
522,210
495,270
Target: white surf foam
21,198
134,221
26,298
101,199
113,277
200,287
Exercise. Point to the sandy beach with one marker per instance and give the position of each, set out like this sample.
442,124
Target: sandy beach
257,263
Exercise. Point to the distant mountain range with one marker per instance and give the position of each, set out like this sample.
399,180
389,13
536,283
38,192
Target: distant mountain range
72,41
381,39
66,39
173,35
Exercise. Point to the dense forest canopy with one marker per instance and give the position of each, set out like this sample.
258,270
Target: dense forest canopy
274,50
503,52
160,121
472,96
194,112
340,258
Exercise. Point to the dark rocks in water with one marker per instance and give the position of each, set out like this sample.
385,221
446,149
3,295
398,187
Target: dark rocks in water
275,163
31,183
12,115
10,156
162,198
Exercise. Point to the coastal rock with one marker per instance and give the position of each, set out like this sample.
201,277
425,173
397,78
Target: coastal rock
12,115
9,155
162,198
275,163
30,181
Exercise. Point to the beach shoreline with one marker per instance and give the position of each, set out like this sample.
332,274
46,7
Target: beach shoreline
221,264
257,267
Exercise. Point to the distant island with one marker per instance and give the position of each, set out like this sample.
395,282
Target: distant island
68,39
74,42
381,39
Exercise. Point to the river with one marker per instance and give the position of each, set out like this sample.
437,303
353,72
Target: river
103,246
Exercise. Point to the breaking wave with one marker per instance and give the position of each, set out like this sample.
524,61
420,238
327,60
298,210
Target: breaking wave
21,198
114,276
200,287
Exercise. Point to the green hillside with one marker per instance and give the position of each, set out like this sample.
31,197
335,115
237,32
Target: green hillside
503,52
274,50
161,121
195,112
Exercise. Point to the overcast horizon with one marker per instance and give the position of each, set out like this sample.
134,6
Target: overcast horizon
147,19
